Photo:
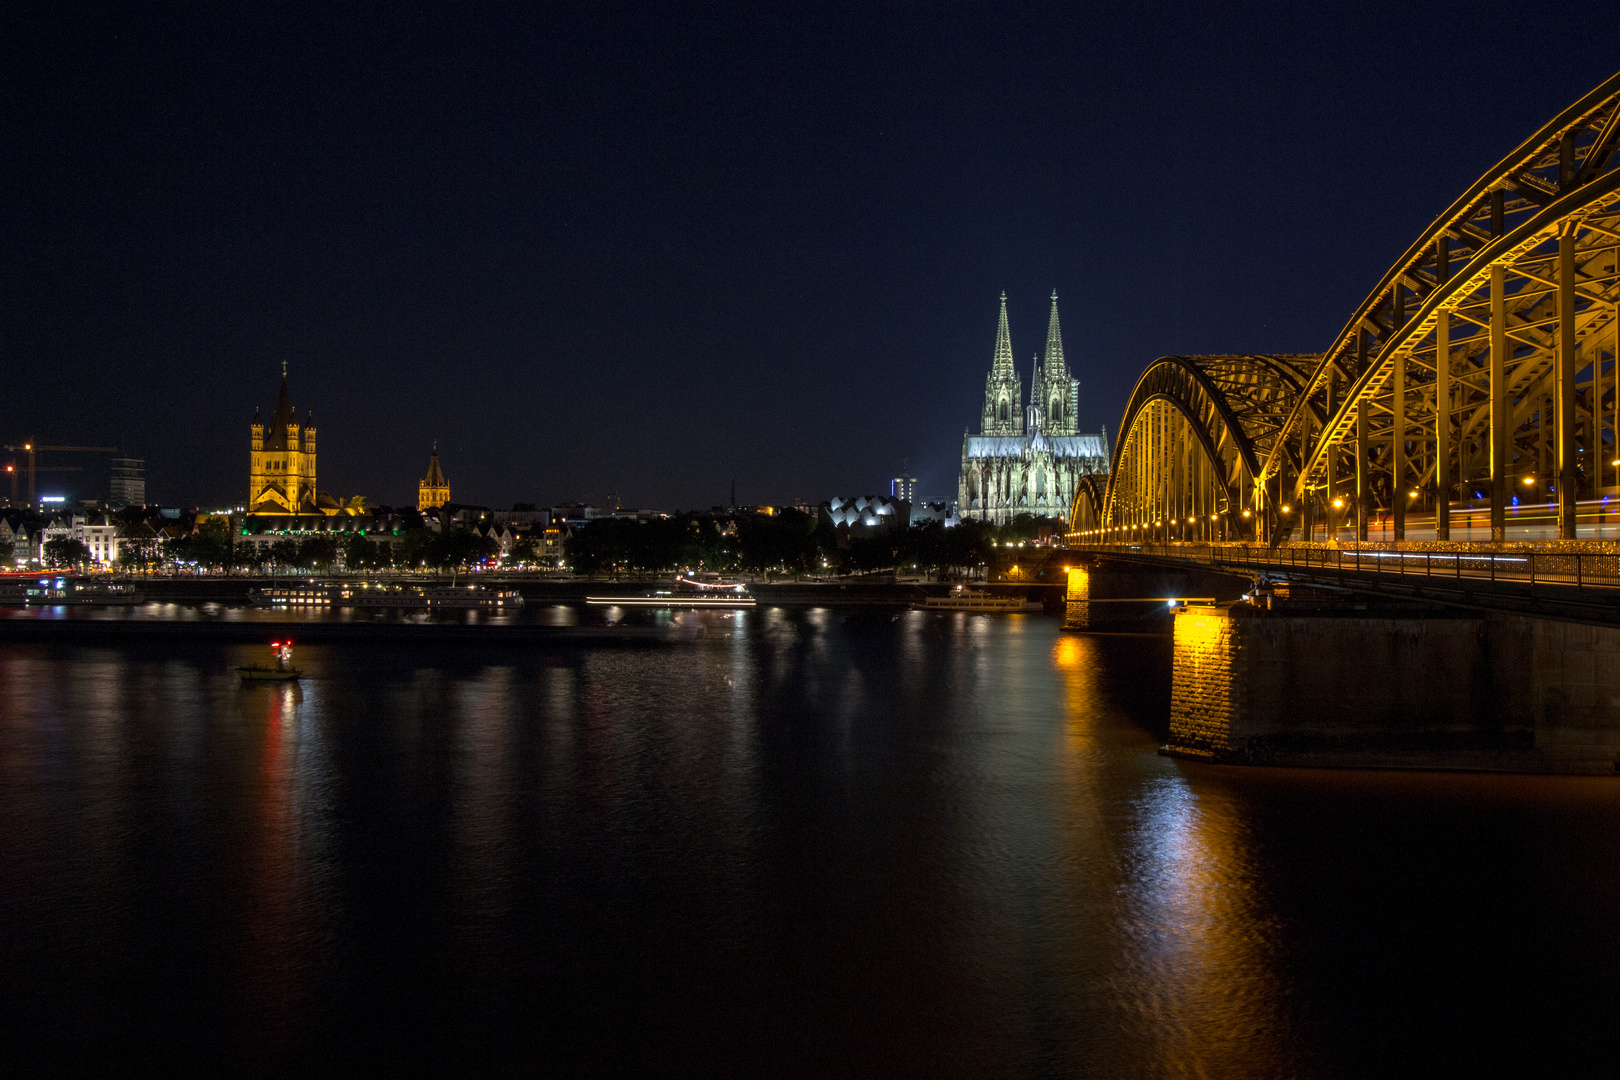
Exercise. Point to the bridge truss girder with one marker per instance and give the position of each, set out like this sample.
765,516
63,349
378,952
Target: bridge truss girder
1523,262
1193,436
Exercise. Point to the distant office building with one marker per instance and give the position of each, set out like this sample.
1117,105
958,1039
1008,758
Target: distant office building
128,483
1027,460
903,487
434,490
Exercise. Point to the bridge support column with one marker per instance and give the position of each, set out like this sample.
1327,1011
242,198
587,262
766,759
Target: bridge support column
1442,425
1564,392
1331,468
1497,375
1363,488
1397,477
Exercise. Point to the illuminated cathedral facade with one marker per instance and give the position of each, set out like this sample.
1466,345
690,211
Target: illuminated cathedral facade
1027,459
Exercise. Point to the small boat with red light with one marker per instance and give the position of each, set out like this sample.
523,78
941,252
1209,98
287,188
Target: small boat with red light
281,671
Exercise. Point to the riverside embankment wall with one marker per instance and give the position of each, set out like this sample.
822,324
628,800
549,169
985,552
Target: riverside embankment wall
1503,693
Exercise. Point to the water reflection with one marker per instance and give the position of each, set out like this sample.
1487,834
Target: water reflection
288,906
795,843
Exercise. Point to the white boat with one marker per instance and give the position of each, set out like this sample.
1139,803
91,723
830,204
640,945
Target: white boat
326,594
472,596
301,595
968,600
52,591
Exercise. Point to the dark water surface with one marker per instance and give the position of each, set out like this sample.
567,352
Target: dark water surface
809,844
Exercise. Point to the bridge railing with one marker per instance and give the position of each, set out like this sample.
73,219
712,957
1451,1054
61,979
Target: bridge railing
1582,570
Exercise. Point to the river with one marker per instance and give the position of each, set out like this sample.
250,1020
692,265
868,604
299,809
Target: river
811,843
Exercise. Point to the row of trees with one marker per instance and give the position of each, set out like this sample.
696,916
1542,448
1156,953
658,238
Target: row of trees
211,547
791,542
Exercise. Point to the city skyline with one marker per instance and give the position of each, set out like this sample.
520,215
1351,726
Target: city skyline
588,259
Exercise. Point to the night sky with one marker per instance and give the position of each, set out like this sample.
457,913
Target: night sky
593,250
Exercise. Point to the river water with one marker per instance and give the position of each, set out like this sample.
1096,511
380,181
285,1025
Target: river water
794,844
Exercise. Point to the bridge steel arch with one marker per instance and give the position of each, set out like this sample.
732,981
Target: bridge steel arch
1086,512
1191,443
1483,362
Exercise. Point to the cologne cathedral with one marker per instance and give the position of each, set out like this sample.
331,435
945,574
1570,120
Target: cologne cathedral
1027,459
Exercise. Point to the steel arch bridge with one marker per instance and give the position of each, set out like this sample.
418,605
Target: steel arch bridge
1482,364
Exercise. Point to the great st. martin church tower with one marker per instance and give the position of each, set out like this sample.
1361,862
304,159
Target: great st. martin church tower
1027,459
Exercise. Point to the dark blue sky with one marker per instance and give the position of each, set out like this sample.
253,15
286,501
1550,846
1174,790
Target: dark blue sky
594,249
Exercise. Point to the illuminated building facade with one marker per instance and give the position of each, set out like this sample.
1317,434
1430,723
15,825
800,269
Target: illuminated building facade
434,490
1027,459
281,470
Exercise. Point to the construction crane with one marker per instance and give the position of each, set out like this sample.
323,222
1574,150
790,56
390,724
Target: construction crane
33,449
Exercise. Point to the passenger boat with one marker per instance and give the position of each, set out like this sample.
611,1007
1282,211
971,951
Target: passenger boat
54,590
326,594
666,599
282,671
378,596
472,596
962,599
304,594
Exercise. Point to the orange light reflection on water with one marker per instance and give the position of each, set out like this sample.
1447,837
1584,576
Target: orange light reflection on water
1194,966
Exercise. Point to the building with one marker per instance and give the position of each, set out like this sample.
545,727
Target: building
434,489
128,483
281,470
282,473
903,487
866,515
99,534
1027,459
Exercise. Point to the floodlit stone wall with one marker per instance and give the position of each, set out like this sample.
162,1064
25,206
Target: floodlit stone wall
1376,689
1207,691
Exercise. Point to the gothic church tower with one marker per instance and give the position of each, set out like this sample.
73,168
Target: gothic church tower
1003,390
281,470
1055,394
434,490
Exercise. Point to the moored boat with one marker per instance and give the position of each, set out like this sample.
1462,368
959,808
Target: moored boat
969,600
472,596
58,589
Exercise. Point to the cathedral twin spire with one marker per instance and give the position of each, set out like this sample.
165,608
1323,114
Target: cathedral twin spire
1054,396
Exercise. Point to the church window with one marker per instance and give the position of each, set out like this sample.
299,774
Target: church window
1040,482
1003,412
1057,409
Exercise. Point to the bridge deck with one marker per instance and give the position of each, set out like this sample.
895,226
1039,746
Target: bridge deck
1581,585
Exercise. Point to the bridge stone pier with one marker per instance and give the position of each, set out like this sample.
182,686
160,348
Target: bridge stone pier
1352,684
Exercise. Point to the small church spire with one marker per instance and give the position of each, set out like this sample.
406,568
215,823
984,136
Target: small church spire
1055,364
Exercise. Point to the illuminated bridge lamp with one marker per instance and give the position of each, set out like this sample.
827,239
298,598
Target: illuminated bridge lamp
1337,503
1529,480
1287,509
1245,513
